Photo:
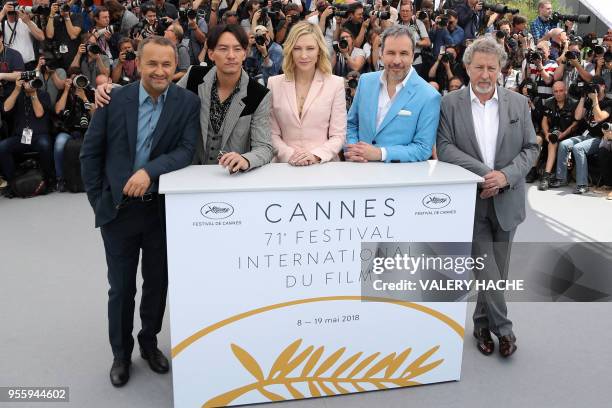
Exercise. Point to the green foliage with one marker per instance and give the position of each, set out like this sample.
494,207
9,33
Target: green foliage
529,8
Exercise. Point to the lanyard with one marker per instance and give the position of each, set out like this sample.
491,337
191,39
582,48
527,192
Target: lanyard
13,32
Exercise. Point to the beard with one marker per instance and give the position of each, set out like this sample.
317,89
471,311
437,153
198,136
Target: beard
483,89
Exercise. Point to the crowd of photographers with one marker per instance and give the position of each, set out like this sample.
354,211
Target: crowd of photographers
52,56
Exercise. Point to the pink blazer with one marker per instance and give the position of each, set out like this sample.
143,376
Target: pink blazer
322,128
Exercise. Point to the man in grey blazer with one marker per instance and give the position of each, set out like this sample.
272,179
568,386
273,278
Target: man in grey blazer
235,110
488,130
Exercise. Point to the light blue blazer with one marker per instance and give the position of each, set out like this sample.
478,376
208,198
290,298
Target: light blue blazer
408,131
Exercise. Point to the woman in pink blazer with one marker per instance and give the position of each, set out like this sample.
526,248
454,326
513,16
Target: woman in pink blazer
308,122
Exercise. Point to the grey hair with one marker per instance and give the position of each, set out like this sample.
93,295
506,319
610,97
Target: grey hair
396,31
485,45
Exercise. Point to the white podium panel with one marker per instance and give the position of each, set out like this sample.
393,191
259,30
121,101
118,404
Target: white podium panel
265,280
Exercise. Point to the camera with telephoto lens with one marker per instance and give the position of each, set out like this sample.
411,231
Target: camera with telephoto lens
422,15
599,50
260,39
80,81
443,21
577,18
32,78
500,8
553,137
187,13
343,43
606,126
534,56
340,10
499,34
36,10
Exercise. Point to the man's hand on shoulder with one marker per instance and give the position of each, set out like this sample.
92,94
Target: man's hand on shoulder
102,95
138,184
362,152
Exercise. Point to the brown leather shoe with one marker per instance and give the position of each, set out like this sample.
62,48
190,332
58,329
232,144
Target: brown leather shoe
507,345
484,342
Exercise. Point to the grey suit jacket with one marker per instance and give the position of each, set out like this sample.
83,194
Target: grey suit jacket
516,147
245,131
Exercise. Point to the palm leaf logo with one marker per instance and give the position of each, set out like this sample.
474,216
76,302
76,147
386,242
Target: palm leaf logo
356,371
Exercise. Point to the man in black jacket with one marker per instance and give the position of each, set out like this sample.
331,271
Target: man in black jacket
150,128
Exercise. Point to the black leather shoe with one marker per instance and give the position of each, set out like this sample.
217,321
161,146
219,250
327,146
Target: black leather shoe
120,372
532,175
156,359
484,341
507,345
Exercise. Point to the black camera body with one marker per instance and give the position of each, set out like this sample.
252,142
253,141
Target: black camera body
447,58
553,137
532,88
93,48
343,43
260,39
606,126
534,56
500,8
130,55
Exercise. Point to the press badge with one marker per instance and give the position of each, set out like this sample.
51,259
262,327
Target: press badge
63,49
26,136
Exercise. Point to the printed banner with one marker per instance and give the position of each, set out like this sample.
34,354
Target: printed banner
265,293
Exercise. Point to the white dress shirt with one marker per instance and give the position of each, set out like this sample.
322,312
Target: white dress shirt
385,102
486,125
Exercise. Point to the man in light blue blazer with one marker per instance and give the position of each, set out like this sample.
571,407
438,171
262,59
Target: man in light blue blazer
394,115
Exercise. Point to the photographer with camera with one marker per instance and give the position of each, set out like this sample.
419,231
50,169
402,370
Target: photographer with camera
444,68
175,34
121,19
419,33
261,17
592,111
543,23
103,31
75,108
557,125
29,108
538,67
471,15
51,75
529,88
64,28
195,29
350,87
571,69
20,31
125,69
446,31
11,63
165,9
604,70
148,26
90,59
324,18
355,23
265,57
347,57
605,159
292,16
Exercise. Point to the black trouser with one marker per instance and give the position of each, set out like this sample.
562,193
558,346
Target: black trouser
138,226
605,166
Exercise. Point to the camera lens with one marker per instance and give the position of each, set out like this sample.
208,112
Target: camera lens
343,43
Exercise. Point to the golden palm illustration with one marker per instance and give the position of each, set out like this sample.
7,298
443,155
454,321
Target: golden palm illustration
320,384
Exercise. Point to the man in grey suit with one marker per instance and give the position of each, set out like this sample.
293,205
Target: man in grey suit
488,130
235,109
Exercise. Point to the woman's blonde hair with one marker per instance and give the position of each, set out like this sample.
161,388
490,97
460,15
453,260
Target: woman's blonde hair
298,30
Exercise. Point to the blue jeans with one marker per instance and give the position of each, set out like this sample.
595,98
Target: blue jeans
581,146
58,153
11,145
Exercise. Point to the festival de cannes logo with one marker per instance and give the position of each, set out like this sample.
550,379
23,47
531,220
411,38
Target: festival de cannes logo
436,201
217,210
300,367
